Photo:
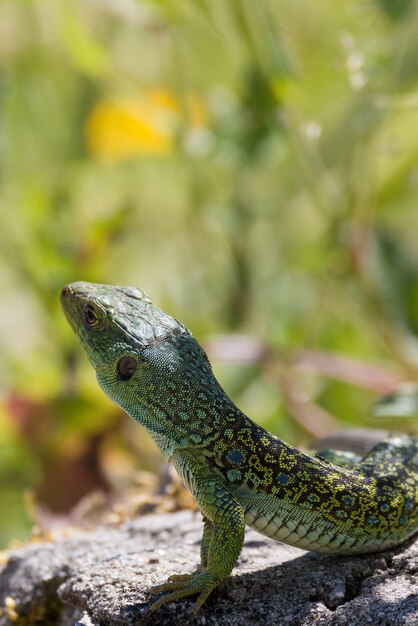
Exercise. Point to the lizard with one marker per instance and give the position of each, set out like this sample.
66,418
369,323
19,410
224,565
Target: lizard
150,364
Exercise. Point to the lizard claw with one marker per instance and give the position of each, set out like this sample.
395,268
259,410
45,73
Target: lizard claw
184,585
174,582
180,578
170,585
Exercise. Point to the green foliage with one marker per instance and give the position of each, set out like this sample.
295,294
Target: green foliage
401,403
396,9
251,165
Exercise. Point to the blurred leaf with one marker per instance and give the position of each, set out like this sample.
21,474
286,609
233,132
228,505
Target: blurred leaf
396,9
396,278
401,403
84,48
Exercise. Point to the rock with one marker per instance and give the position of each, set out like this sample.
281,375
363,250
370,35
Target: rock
101,578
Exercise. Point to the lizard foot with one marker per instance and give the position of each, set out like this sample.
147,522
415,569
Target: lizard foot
184,585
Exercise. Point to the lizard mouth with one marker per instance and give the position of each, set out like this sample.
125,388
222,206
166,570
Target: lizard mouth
75,305
72,307
65,298
67,302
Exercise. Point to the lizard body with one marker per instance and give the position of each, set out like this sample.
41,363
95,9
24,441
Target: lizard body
151,365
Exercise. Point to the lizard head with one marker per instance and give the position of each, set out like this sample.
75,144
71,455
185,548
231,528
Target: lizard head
145,360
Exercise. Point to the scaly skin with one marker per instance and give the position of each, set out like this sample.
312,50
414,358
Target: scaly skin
149,364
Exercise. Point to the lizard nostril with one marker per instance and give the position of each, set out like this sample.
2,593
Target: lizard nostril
65,292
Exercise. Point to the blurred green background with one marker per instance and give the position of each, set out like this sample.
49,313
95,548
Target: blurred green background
253,166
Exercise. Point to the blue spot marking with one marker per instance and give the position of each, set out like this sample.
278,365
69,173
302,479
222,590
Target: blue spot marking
384,507
403,520
283,479
347,499
234,475
409,505
371,520
235,456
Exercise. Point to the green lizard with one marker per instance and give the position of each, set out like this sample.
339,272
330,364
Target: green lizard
150,364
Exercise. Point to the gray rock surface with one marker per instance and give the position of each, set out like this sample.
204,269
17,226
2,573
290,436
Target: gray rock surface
101,579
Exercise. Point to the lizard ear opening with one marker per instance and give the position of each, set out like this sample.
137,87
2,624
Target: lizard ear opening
126,367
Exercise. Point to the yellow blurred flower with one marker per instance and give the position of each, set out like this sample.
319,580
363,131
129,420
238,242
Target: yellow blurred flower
146,124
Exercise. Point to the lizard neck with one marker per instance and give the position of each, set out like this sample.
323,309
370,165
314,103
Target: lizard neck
175,396
194,420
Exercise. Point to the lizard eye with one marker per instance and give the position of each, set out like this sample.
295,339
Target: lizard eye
126,367
90,315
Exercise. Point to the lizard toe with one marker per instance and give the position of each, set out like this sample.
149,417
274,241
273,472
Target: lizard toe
203,583
167,586
181,577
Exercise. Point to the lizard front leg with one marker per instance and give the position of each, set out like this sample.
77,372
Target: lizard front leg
206,541
222,541
204,551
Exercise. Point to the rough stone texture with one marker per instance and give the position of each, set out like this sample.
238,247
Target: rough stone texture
101,579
